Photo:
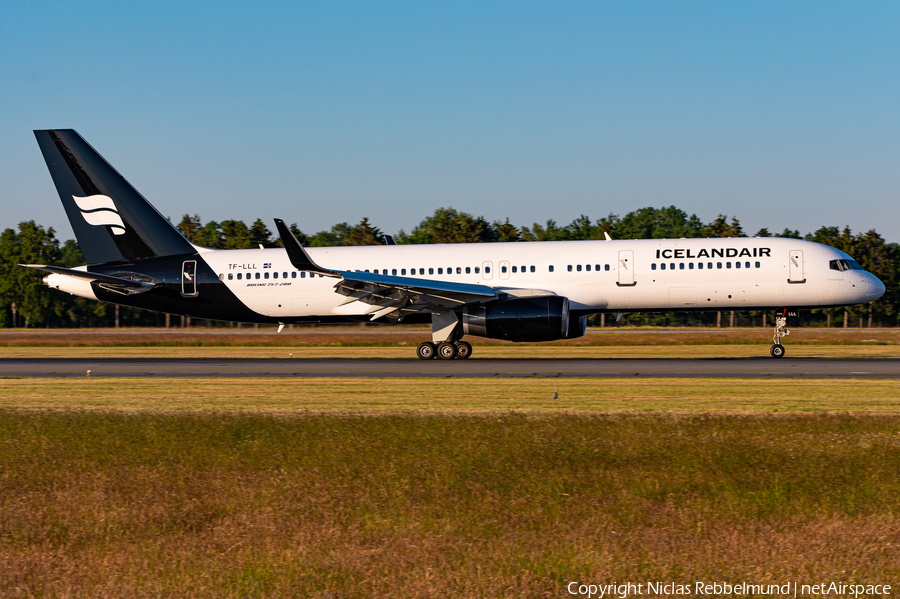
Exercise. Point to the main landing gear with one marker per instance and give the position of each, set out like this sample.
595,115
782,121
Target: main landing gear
777,350
460,350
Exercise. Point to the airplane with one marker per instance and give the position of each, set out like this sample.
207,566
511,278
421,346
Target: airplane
521,292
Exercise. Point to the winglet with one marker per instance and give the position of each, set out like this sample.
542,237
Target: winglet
297,255
608,238
389,240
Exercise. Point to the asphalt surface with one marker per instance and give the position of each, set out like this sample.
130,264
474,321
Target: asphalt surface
785,368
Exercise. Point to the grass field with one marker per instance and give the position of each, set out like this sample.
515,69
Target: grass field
344,488
379,395
246,504
359,342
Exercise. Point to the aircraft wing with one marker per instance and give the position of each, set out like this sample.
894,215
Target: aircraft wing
399,296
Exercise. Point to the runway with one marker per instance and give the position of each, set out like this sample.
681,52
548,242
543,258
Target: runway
786,368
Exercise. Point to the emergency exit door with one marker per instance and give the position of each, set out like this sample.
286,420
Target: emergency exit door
189,278
797,274
625,269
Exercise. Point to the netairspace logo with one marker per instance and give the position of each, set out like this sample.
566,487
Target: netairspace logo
99,210
720,589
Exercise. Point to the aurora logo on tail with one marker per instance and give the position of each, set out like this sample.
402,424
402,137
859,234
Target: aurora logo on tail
100,210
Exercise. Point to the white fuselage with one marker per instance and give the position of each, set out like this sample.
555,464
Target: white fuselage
625,275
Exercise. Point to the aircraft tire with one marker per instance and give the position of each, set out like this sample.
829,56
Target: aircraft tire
425,351
446,351
777,351
463,350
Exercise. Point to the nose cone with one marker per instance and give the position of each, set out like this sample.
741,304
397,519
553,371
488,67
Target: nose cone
874,289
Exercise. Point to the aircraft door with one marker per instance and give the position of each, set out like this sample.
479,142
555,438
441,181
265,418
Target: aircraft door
504,269
796,267
486,268
189,278
626,269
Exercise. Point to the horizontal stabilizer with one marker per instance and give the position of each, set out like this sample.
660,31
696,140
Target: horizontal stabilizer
91,276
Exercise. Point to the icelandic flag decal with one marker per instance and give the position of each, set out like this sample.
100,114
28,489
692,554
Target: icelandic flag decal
267,265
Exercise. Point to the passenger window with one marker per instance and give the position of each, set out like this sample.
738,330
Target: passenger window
477,269
515,269
728,265
653,266
284,275
709,265
239,276
294,274
431,271
551,268
440,271
487,270
503,269
459,270
662,266
266,275
303,274
757,265
394,272
274,275
690,266
578,268
468,270
221,277
700,265
257,275
746,265
532,269
587,267
570,268
681,265
230,276
597,267
737,264
606,267
421,271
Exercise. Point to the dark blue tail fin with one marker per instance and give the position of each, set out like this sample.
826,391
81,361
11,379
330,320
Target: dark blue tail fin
111,220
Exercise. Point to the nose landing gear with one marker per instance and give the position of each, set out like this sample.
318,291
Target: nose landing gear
777,350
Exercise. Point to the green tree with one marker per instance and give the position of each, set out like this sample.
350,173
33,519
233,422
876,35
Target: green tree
23,297
190,227
260,234
235,235
505,231
448,225
722,228
364,234
663,223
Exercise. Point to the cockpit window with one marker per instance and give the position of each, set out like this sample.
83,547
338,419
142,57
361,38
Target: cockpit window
842,265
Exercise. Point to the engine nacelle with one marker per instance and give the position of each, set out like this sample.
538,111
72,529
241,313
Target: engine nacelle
543,318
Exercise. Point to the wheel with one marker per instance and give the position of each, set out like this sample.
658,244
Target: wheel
425,351
777,351
446,351
463,350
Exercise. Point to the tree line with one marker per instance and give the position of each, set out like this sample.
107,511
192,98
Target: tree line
25,302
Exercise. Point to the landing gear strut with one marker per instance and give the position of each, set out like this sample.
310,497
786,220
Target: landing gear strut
777,350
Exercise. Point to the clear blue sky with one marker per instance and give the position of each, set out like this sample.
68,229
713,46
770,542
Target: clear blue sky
782,113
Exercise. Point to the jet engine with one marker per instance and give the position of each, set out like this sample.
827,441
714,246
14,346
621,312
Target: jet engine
520,319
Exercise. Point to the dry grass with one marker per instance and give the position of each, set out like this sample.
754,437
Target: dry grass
103,504
379,395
